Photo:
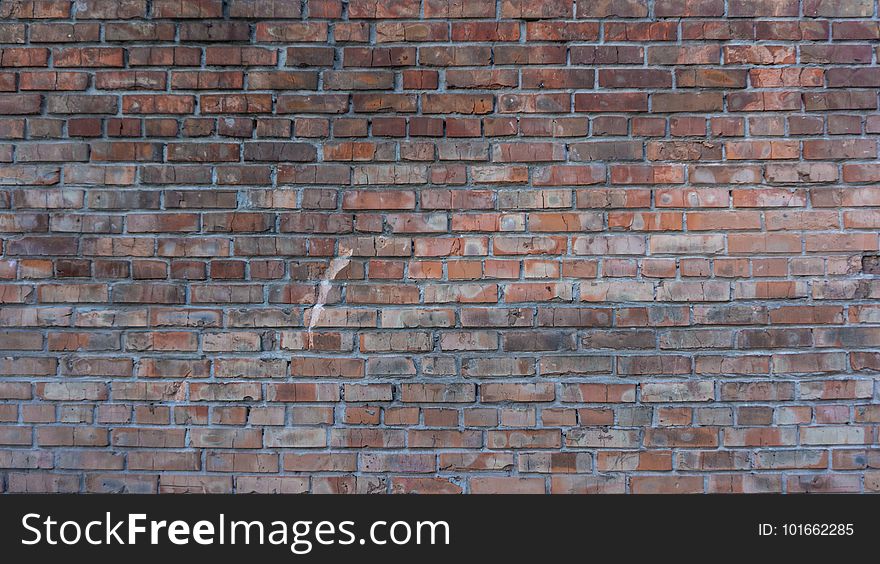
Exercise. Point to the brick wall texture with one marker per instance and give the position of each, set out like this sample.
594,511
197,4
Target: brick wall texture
443,246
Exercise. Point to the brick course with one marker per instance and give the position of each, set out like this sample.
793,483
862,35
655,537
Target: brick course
439,246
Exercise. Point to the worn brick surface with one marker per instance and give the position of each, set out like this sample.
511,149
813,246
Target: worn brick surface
439,246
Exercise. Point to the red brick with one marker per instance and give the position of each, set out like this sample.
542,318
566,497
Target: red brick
471,238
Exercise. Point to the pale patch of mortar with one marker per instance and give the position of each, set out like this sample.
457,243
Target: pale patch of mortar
333,269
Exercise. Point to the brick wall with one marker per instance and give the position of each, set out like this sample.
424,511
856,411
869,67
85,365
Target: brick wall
439,246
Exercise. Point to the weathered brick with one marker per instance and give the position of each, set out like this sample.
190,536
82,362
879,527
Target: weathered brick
487,239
